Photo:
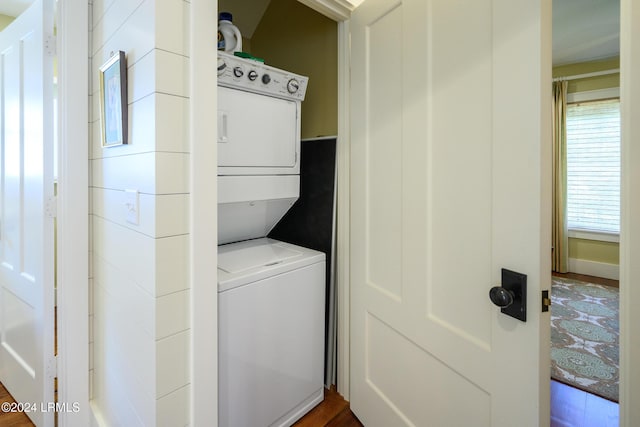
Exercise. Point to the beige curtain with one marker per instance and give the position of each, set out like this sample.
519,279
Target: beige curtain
560,240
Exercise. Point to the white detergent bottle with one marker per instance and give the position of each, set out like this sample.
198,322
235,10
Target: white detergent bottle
229,37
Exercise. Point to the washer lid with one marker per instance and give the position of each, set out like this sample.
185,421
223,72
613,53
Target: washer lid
250,261
264,254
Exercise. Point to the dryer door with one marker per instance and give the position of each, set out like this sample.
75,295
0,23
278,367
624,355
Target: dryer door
257,134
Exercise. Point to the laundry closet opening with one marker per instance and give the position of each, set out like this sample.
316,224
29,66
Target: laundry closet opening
290,36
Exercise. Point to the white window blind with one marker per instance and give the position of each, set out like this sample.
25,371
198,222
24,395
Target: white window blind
593,166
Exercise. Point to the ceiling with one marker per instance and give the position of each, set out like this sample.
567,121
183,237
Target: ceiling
583,30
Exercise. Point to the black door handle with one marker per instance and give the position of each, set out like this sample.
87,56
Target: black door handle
511,297
501,297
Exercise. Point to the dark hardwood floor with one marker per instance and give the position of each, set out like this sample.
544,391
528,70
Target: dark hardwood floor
590,279
12,419
332,412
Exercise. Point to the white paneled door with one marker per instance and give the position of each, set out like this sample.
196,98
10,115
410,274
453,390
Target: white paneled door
450,183
26,212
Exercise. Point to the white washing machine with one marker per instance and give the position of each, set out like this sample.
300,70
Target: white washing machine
271,332
271,300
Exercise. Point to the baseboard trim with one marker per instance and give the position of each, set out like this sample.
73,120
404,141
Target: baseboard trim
593,268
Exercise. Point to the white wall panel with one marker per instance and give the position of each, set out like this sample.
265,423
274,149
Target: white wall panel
172,173
159,266
91,347
172,314
134,304
187,28
124,365
169,112
141,78
133,54
174,15
172,117
95,145
132,252
173,409
112,400
141,298
90,239
135,172
111,405
94,102
171,73
141,135
173,214
135,36
172,264
152,173
124,341
91,296
99,8
173,363
110,205
115,17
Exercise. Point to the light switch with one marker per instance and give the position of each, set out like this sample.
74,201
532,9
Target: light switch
131,205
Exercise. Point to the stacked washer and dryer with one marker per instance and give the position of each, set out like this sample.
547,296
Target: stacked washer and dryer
271,294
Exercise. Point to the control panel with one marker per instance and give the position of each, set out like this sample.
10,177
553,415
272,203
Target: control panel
254,76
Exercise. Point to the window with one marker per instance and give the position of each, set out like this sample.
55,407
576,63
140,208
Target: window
593,166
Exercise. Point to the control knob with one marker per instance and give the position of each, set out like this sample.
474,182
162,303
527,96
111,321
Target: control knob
222,66
238,71
292,86
253,74
266,78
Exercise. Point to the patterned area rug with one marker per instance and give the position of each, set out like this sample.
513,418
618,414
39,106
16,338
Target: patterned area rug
585,336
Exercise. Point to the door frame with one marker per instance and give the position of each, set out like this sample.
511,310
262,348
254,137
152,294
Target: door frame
630,209
203,213
203,209
73,210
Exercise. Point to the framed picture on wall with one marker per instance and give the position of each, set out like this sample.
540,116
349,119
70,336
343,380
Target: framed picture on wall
113,101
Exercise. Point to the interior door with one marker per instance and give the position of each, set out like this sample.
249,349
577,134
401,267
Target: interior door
450,183
26,230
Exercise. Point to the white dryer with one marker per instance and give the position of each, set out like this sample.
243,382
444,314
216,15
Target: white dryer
271,294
